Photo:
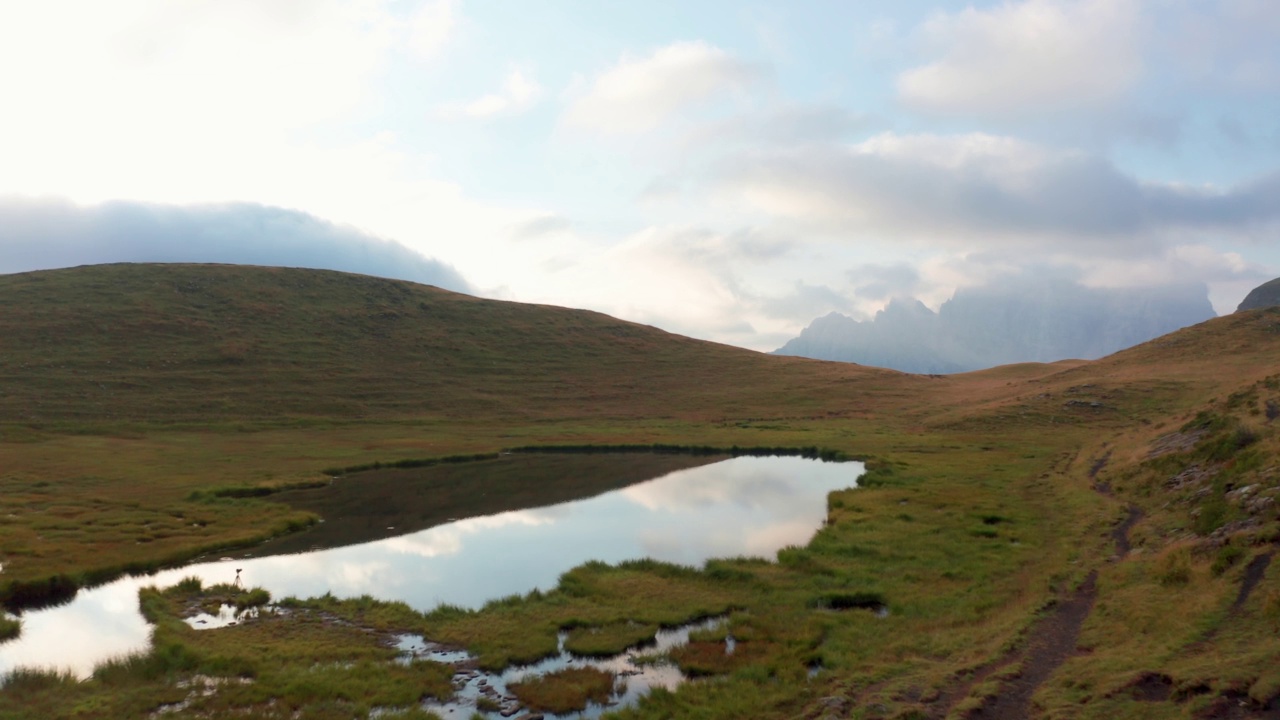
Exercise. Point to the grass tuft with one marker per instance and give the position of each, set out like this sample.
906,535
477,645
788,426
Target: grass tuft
565,691
10,627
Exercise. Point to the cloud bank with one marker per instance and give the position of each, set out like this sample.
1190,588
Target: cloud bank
44,234
519,92
1035,57
638,94
989,188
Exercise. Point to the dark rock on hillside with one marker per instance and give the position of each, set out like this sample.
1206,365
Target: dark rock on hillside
1023,321
1265,295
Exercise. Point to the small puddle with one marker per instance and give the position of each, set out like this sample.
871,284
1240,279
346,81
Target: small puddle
638,670
415,647
226,616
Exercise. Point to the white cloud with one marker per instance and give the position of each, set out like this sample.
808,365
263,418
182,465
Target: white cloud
518,93
446,540
784,125
684,279
1228,275
431,26
542,225
137,68
883,281
41,234
995,191
150,88
1032,57
215,102
639,94
1231,45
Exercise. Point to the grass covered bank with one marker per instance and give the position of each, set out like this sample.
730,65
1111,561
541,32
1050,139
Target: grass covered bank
777,610
992,496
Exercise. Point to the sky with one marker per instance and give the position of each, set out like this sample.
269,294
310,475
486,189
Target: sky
725,170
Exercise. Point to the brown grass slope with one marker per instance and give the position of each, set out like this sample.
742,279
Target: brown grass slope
203,343
124,389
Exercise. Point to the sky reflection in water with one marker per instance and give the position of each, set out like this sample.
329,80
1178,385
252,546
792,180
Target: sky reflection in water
742,506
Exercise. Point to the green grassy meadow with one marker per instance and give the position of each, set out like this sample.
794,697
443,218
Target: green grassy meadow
133,397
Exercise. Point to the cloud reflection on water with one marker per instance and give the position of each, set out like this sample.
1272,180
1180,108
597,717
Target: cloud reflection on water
743,506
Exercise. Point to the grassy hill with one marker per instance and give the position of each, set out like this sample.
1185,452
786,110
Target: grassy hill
1078,539
202,343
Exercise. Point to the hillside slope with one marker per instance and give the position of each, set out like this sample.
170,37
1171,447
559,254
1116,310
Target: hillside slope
199,343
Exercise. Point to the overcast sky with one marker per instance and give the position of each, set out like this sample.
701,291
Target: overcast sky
727,170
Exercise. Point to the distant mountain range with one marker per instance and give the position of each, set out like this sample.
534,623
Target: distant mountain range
1024,321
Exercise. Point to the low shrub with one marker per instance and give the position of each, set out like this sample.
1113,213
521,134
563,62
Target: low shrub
10,627
1175,568
1227,557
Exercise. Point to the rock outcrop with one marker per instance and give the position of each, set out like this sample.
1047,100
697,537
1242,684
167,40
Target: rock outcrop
1265,295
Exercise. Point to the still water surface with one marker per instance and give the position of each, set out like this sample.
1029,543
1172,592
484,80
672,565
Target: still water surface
742,506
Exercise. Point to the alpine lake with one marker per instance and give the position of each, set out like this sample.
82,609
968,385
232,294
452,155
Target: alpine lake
468,533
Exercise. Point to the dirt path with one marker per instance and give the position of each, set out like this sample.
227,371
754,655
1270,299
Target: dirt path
1054,637
1120,535
1239,706
1252,576
1052,642
1096,468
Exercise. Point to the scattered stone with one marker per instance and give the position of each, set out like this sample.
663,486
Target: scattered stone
1083,403
1259,505
1232,528
832,702
1193,474
1175,442
833,706
1241,494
